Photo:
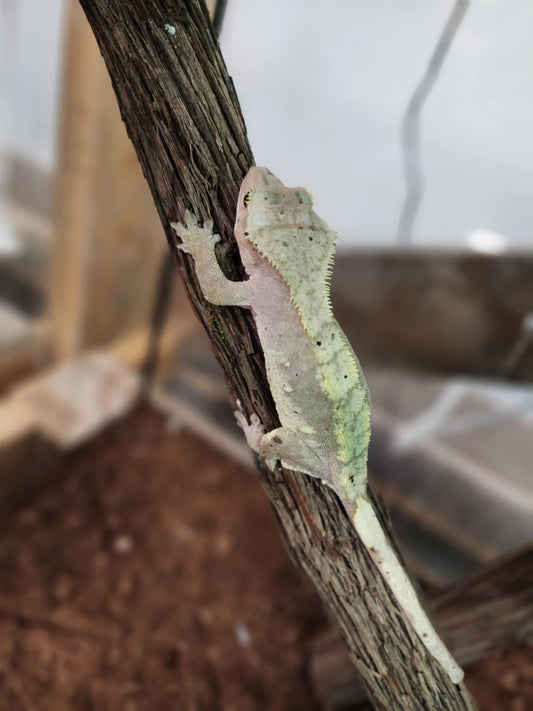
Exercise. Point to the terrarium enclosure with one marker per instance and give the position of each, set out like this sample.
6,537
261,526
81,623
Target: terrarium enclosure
144,561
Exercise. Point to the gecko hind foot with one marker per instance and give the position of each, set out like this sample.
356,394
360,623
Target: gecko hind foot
254,433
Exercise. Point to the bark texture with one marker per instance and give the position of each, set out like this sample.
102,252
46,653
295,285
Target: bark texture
489,610
182,114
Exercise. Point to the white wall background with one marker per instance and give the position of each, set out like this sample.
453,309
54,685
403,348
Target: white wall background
30,53
323,87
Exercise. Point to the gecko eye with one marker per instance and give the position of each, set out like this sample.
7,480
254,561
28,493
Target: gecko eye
247,198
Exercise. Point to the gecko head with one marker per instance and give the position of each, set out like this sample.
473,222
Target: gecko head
257,189
278,224
261,189
272,217
258,179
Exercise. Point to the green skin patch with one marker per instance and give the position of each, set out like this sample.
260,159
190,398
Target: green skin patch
315,378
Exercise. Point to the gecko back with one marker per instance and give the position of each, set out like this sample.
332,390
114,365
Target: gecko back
280,223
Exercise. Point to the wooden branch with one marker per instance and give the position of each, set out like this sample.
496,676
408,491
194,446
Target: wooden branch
489,610
182,114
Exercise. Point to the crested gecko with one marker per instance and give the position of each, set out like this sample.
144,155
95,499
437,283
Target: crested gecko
316,381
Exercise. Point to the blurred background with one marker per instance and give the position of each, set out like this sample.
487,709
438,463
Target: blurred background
410,123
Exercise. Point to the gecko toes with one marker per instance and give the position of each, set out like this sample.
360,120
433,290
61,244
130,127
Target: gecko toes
241,419
189,219
179,228
271,463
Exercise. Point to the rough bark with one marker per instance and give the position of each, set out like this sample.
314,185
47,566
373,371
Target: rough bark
489,610
182,114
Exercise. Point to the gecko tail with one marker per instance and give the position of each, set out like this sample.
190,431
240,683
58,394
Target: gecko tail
371,533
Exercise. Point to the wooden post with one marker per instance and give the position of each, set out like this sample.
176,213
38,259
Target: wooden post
106,248
181,112
78,150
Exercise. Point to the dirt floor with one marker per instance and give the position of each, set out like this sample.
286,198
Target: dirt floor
151,577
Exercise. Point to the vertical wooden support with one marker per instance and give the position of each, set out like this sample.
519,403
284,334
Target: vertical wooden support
107,244
78,138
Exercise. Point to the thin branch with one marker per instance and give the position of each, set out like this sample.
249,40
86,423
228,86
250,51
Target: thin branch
183,117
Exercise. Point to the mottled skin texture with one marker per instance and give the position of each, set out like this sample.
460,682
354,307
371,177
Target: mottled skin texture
317,384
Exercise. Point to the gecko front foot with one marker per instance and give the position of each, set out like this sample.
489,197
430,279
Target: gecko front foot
254,433
200,243
195,238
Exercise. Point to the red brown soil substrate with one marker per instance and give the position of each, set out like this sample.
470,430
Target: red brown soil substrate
151,577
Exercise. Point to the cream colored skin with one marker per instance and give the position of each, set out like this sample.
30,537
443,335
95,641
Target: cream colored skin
315,378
